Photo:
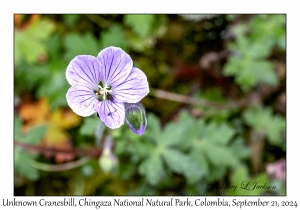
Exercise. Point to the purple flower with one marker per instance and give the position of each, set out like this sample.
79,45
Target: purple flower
103,84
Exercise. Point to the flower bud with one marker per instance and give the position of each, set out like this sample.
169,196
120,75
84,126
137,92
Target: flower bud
108,161
136,118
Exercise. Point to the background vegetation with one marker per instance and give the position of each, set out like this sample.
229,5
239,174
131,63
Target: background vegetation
216,110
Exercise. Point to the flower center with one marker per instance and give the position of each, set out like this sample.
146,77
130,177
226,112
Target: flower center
103,91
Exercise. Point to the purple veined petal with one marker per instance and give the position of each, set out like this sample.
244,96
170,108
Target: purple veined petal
112,114
84,69
133,89
81,99
117,65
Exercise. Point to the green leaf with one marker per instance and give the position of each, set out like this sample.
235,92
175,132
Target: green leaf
239,29
219,155
22,165
153,130
281,42
140,150
269,28
216,173
173,134
198,156
55,88
138,39
193,129
211,150
258,51
275,130
239,149
70,19
140,24
231,17
263,121
77,44
219,134
249,72
213,94
114,36
238,178
35,134
152,168
89,126
30,43
193,17
30,77
182,164
264,73
165,145
54,45
17,128
249,62
41,29
245,184
142,189
189,147
27,49
232,66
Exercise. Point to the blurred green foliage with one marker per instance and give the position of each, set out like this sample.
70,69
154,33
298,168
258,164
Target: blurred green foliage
89,126
241,175
253,45
264,122
23,158
30,44
185,146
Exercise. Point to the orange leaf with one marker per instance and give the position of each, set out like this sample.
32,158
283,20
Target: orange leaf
34,113
23,25
65,118
57,138
18,20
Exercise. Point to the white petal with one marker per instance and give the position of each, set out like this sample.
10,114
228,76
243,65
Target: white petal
84,69
117,65
81,99
133,89
112,114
